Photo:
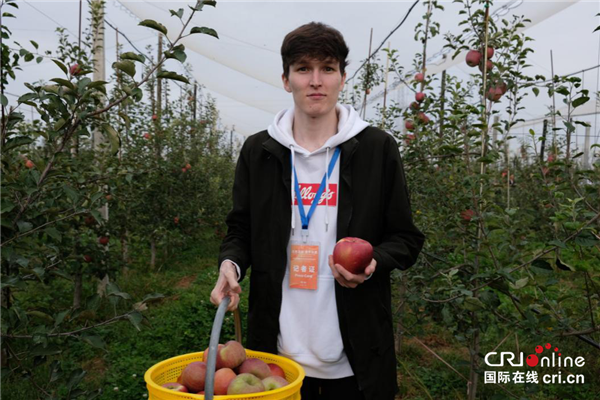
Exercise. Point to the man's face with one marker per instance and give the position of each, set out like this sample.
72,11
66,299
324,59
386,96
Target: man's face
315,86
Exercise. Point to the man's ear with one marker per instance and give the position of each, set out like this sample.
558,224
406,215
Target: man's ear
343,81
286,83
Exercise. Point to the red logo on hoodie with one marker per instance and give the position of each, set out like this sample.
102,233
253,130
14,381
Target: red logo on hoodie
308,191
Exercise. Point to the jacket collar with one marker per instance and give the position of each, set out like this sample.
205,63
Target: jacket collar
283,154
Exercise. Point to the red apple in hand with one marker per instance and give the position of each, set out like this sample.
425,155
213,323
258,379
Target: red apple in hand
353,254
178,387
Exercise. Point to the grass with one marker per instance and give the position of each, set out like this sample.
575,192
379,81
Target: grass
180,323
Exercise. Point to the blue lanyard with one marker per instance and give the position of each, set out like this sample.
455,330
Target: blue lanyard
303,217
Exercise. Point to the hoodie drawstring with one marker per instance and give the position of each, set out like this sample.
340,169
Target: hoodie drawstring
326,190
293,187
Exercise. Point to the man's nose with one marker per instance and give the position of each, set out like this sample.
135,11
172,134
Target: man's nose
315,79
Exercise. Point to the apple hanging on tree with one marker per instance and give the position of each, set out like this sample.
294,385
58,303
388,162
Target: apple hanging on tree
473,58
75,70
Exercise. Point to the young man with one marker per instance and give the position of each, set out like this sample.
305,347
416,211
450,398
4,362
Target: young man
337,325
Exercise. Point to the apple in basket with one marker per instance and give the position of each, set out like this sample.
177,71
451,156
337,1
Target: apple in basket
256,367
178,387
223,378
229,355
245,383
274,382
194,376
276,370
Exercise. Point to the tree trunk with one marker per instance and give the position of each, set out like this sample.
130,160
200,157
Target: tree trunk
152,253
124,247
474,350
399,332
78,290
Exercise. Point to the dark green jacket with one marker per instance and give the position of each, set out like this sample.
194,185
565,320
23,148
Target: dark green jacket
373,205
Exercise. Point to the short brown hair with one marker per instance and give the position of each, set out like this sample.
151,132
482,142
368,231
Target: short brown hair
314,40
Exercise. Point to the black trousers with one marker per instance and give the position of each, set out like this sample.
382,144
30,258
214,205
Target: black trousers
330,389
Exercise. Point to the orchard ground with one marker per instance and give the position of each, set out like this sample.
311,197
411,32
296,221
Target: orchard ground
180,323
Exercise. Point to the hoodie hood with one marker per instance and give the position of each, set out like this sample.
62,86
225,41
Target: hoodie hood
350,124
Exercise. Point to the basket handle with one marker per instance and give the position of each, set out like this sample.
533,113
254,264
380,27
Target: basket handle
209,389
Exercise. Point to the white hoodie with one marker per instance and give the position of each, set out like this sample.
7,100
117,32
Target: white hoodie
309,330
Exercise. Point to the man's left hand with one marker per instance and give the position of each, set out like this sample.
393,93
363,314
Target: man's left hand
348,279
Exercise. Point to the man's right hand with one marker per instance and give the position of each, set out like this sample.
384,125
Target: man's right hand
227,285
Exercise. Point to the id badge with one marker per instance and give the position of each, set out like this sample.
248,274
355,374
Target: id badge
304,265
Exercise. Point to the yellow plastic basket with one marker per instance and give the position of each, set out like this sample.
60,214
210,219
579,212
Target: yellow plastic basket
169,370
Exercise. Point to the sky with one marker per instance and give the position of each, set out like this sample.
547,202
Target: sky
242,69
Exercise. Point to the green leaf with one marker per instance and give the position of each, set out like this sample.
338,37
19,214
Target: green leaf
125,118
114,138
172,75
563,265
61,274
541,264
126,66
177,53
136,319
59,124
94,341
62,66
34,44
152,297
579,101
148,23
536,91
76,377
3,100
71,193
16,142
40,314
133,56
24,226
200,4
27,97
60,317
64,82
557,243
40,350
178,13
6,206
204,30
53,233
97,84
520,283
473,304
